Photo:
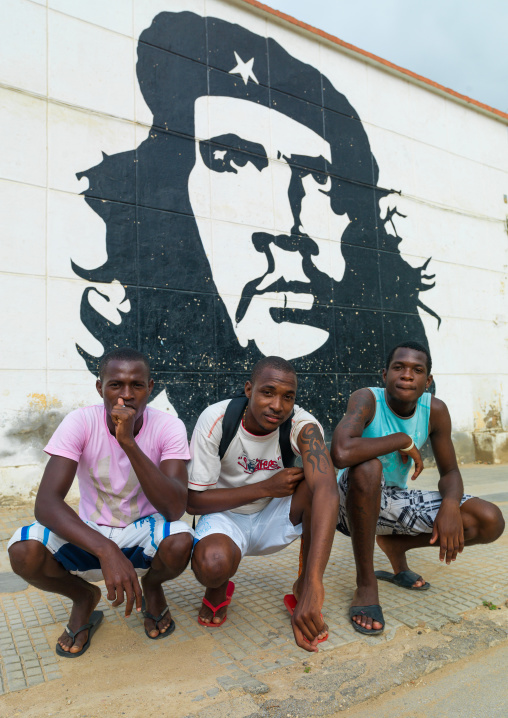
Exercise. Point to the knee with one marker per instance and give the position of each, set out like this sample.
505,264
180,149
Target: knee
365,478
485,524
175,551
491,524
211,565
27,557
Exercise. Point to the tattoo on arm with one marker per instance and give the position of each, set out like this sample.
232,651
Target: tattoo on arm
315,449
359,413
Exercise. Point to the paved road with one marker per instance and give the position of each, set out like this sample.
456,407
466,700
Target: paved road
474,688
488,482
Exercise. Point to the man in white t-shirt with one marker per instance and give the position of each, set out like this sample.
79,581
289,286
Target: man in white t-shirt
251,505
130,463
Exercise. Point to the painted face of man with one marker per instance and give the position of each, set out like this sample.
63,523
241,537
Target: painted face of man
262,206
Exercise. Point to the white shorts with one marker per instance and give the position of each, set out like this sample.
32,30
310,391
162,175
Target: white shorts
139,542
259,534
403,511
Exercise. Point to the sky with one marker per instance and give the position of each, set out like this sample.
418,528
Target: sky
461,44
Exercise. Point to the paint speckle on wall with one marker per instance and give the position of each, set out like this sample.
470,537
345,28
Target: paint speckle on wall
42,402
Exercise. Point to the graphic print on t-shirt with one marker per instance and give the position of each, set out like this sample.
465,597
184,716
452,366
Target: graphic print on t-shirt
106,495
249,466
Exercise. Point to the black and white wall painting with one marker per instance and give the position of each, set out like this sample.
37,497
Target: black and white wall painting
248,223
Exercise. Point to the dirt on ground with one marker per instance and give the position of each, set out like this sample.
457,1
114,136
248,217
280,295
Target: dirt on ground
120,679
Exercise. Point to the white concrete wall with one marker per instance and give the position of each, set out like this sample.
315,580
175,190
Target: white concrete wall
68,93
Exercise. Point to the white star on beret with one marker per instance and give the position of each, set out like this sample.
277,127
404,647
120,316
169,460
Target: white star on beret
244,69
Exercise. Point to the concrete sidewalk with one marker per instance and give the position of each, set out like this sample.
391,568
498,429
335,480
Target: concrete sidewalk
257,637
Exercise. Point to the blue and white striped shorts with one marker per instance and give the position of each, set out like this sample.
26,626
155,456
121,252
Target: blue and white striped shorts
139,542
403,511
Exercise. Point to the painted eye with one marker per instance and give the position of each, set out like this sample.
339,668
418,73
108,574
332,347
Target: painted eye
227,153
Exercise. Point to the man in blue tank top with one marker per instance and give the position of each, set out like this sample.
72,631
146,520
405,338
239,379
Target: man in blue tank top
377,446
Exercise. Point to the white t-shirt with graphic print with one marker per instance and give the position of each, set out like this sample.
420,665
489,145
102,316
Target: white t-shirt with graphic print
248,460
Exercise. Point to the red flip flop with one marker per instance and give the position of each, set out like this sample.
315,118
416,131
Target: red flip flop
290,603
229,595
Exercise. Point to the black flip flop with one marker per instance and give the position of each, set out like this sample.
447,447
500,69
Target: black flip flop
404,579
91,626
156,620
374,611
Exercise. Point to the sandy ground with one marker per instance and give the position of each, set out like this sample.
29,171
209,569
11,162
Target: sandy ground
118,679
104,686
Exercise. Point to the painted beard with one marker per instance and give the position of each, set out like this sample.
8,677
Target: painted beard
292,281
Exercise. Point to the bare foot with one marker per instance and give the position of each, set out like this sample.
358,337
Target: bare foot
155,603
215,596
296,593
80,615
366,596
396,557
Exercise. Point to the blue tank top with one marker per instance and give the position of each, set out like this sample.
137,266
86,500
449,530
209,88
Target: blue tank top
386,421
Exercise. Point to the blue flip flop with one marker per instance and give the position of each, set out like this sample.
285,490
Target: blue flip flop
156,620
404,579
374,611
91,627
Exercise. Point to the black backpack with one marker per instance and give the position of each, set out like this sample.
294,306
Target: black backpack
231,422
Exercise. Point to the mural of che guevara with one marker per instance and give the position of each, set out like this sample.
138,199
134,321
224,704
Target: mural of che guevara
247,224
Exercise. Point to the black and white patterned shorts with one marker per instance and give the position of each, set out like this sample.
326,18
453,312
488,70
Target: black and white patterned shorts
403,511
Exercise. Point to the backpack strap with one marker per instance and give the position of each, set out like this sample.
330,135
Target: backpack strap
288,456
231,422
